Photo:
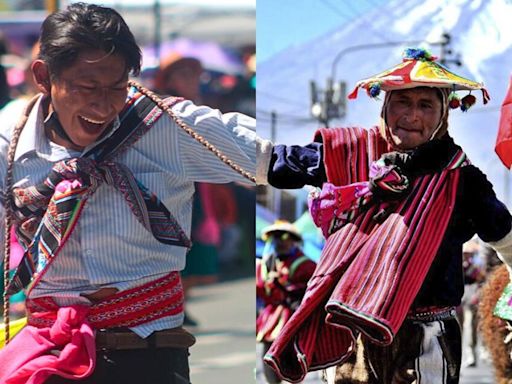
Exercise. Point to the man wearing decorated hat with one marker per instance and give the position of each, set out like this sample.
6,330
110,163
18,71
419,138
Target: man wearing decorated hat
397,202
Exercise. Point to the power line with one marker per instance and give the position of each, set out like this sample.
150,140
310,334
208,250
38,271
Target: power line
336,10
267,115
483,109
290,111
356,15
280,98
373,3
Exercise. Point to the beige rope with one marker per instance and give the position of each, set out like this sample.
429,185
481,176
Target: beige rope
158,101
8,203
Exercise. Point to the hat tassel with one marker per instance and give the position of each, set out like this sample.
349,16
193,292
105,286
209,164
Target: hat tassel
453,100
467,102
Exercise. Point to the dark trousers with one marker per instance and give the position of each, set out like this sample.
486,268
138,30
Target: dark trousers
151,365
426,352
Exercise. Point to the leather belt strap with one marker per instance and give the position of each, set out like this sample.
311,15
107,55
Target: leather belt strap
125,339
432,314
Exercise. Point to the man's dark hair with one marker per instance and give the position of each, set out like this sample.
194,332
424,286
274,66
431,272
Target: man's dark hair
81,26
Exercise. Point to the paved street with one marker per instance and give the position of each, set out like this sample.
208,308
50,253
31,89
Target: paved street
482,374
225,348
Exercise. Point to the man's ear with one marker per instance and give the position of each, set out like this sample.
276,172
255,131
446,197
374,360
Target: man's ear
41,76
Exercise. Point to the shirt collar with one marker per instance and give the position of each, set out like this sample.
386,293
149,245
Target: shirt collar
33,138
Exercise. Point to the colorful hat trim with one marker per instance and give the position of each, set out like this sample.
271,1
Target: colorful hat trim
419,69
280,226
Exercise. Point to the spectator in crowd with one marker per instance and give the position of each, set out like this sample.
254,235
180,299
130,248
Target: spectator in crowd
281,278
467,312
179,75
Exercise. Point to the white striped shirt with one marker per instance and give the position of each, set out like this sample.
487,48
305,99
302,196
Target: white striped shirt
109,247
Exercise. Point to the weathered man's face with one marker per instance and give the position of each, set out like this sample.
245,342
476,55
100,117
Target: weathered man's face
412,116
89,95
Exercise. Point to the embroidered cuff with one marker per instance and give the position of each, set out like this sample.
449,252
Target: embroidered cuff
503,248
263,156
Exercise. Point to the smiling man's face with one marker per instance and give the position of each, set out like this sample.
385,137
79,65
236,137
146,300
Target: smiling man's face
88,95
412,116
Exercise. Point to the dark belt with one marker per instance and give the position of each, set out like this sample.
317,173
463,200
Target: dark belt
123,339
431,314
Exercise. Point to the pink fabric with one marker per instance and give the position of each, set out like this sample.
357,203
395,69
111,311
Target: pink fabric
335,205
333,201
66,186
208,231
16,250
66,349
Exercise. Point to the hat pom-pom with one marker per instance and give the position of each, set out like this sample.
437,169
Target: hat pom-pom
374,90
418,54
453,101
467,102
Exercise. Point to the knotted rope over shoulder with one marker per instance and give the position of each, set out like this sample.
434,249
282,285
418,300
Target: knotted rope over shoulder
8,204
158,101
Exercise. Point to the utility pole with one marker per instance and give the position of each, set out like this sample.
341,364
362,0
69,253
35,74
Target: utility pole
274,195
52,5
330,103
157,15
447,51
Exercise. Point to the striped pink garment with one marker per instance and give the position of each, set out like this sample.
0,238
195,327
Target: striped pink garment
370,270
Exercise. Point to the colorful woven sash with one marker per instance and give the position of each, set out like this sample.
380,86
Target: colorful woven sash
372,266
129,308
46,214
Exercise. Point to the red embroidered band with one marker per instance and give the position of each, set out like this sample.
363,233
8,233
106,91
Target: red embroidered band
139,305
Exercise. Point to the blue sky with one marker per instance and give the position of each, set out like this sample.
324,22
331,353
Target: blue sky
283,23
216,3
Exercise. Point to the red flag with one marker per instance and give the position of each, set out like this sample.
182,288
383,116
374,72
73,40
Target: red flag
504,140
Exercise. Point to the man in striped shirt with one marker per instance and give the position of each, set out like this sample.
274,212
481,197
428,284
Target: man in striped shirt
99,184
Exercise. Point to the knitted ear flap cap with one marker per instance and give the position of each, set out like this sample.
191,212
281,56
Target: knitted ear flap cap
419,69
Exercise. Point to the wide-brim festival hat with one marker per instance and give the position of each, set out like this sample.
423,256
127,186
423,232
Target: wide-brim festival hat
172,62
280,226
420,69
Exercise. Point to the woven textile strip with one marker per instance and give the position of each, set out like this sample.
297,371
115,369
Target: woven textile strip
47,213
151,301
370,270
